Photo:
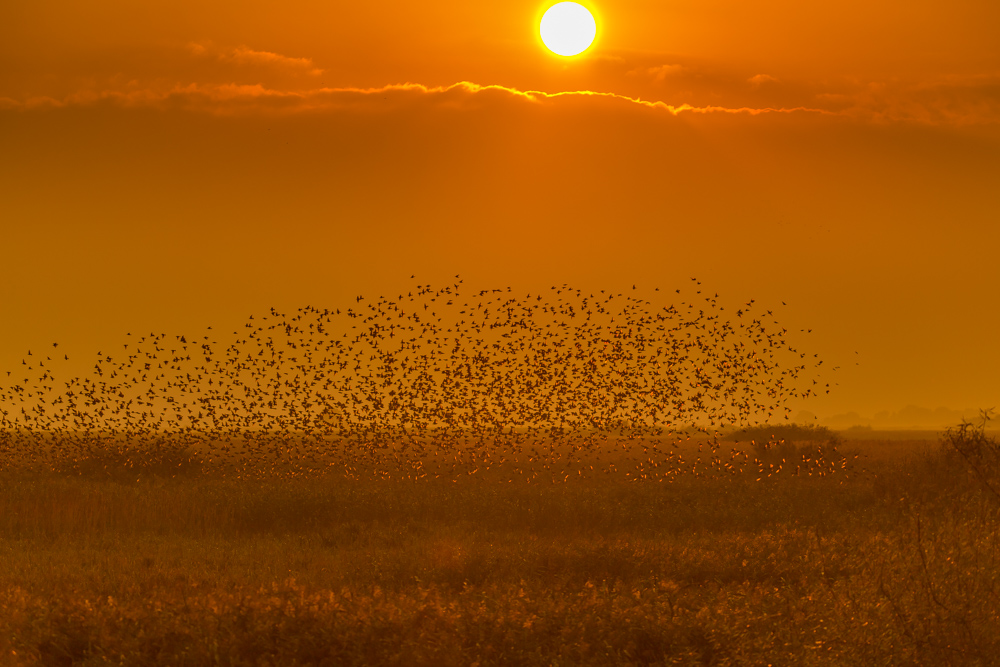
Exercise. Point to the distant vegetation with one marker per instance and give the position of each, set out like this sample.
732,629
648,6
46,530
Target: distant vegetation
787,432
784,441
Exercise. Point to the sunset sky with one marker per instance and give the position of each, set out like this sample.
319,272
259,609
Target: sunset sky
167,166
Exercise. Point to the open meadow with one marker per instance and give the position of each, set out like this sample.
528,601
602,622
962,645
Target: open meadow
893,559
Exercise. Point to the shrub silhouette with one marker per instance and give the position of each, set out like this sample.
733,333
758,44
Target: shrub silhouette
779,440
969,443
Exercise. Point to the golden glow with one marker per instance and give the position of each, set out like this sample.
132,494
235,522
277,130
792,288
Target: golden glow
447,138
568,29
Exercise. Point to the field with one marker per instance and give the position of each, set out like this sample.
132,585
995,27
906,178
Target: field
895,560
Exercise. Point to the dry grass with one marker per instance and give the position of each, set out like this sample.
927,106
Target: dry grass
900,565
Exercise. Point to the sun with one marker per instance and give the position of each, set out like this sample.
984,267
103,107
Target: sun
568,29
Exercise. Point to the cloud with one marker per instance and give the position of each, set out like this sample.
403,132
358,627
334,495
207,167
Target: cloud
760,79
198,49
256,98
208,78
957,101
658,73
948,101
243,55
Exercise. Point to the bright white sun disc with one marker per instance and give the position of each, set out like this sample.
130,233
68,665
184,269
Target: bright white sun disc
568,29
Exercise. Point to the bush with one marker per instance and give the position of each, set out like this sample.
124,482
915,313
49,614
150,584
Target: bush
788,432
779,439
969,443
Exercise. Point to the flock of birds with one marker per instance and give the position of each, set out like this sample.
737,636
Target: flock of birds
434,383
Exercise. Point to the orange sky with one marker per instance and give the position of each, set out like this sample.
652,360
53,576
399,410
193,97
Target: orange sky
168,166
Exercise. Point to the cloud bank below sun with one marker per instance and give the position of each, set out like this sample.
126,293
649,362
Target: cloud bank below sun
251,98
205,77
957,103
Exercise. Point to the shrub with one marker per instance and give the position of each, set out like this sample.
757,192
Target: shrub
779,439
980,452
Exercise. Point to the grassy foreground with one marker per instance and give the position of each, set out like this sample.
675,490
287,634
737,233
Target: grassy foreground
899,565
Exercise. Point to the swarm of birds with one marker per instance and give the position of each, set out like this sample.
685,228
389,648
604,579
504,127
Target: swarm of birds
434,383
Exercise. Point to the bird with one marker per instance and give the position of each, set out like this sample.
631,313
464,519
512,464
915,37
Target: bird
491,381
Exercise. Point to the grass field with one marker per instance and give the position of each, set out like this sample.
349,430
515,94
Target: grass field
896,562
